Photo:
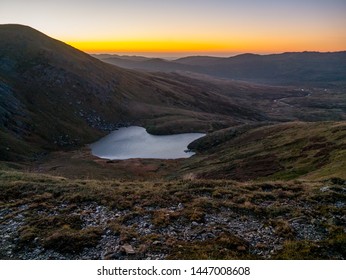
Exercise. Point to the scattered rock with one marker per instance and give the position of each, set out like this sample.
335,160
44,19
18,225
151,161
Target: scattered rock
127,249
241,248
325,189
152,242
180,206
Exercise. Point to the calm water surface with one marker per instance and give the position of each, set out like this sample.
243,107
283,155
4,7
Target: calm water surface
136,142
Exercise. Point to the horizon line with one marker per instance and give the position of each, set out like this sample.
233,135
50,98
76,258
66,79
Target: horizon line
199,54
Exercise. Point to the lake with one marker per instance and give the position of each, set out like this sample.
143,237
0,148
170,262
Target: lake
136,142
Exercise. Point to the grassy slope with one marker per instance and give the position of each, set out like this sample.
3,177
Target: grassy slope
283,151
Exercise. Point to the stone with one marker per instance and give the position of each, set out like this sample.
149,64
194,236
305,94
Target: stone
241,248
128,249
331,221
324,189
110,256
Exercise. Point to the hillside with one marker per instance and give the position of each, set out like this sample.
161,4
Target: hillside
301,68
53,95
271,152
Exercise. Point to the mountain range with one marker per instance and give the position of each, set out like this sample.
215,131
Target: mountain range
308,68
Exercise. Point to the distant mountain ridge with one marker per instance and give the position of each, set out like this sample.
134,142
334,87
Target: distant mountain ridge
311,68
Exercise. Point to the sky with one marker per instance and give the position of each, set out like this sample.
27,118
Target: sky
184,27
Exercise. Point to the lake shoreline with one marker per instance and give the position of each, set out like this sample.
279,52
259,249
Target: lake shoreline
135,142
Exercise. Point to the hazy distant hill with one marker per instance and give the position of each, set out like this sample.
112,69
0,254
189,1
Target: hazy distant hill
310,68
144,63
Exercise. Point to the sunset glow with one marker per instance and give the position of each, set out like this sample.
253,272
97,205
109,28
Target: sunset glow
261,46
203,26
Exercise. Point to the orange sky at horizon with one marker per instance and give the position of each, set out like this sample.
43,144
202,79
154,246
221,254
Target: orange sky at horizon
180,26
257,46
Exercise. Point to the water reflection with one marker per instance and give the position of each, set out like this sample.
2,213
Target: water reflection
135,142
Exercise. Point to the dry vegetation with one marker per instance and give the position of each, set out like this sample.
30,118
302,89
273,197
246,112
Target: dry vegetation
53,217
285,151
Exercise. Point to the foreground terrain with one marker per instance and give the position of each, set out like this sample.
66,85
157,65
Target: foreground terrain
45,217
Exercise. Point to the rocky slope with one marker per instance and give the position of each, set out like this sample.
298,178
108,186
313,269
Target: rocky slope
43,217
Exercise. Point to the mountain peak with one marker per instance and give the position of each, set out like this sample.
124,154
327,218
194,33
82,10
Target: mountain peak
18,30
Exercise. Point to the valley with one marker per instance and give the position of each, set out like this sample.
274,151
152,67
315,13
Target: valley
268,181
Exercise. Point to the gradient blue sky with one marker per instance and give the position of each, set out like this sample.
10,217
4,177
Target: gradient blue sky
185,27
